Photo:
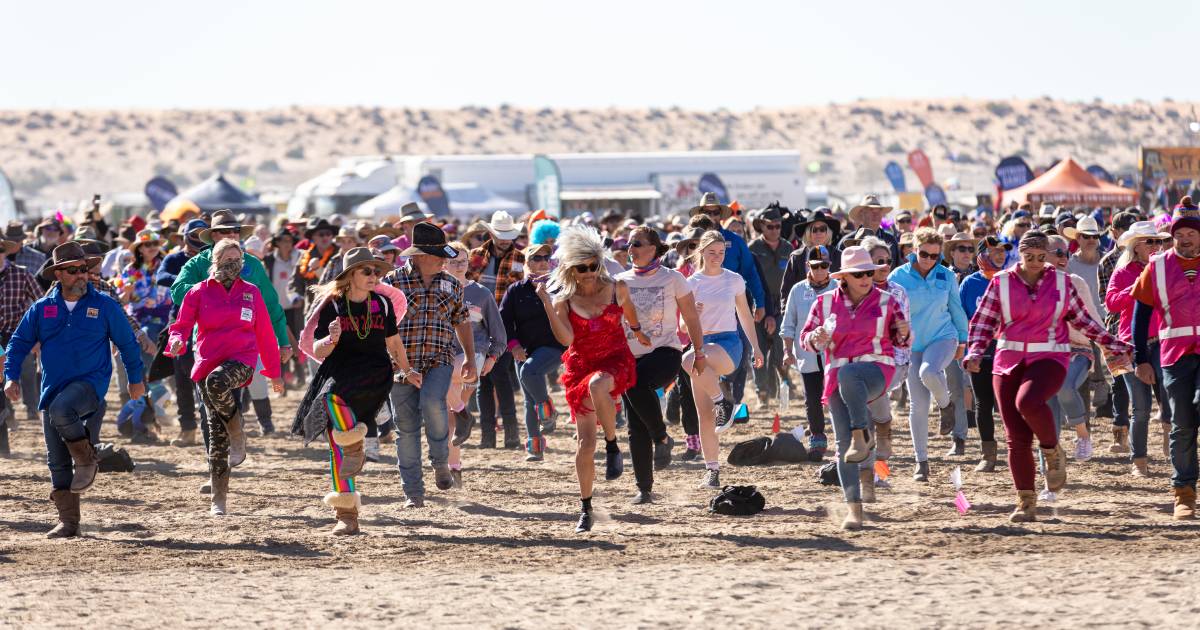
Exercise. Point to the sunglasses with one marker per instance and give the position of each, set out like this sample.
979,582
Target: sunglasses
370,272
691,247
1025,226
540,258
818,229
818,265
320,234
1090,237
712,213
1156,242
927,255
591,268
1061,253
772,226
638,243
75,271
903,221
859,275
225,230
962,249
883,261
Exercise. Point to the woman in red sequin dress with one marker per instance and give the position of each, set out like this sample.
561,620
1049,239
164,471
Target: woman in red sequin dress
585,313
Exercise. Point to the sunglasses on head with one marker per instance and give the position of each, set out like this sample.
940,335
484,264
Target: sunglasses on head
859,275
927,255
586,268
74,271
540,258
818,264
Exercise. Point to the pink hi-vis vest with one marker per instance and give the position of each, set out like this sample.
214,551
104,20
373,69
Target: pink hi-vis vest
1179,304
1031,328
861,336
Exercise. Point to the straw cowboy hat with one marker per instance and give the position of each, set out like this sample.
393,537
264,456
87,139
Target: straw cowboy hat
144,237
1140,230
1086,225
362,257
429,239
855,259
709,200
224,220
347,231
412,212
946,231
502,226
869,202
960,237
66,254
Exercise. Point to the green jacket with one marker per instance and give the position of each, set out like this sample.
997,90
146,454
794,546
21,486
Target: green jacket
195,271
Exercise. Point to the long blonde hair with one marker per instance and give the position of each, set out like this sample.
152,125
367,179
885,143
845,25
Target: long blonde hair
576,245
335,288
706,239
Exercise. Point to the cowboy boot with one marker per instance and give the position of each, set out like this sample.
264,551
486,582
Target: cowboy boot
67,503
866,482
487,434
86,464
512,434
1026,511
854,517
186,438
860,446
1120,445
237,440
883,438
1141,467
1185,503
345,506
988,462
1056,467
354,456
220,492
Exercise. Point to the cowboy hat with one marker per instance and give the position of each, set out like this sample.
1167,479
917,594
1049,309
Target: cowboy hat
857,237
709,200
960,237
1086,225
532,250
47,224
361,257
15,231
347,231
144,237
316,224
689,235
946,231
282,233
412,212
869,202
10,247
855,259
428,239
503,227
224,220
65,254
386,230
1140,230
86,235
820,214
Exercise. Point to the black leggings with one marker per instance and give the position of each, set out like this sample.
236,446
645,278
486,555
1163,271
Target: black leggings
814,388
500,382
687,406
985,400
654,370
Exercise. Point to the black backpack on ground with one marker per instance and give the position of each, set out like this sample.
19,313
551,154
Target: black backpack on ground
828,474
113,458
750,453
738,501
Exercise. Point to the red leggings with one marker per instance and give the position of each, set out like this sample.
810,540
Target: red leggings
1021,396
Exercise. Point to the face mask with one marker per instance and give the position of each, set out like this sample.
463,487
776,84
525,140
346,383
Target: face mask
228,270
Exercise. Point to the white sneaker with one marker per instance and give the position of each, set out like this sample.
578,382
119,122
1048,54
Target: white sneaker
1083,449
1046,496
371,449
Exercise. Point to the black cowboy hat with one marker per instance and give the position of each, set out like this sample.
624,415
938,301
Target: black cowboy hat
429,239
318,223
822,215
15,231
65,254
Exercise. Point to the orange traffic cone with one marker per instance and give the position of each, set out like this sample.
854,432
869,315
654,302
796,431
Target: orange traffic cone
775,425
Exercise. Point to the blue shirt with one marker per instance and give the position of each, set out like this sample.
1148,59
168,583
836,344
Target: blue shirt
75,344
739,260
971,291
936,311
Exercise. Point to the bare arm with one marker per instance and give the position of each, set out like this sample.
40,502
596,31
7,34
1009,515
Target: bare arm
631,316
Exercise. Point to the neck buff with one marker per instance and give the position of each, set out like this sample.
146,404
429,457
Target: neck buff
227,271
648,269
985,266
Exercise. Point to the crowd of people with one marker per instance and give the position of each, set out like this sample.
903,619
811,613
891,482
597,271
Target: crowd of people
1051,317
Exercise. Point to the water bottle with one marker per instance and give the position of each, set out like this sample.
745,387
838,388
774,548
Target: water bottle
829,325
785,397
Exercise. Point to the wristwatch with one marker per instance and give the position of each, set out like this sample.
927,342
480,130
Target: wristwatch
403,374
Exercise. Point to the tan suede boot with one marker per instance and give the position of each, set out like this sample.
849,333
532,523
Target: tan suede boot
883,439
354,455
1185,503
1120,445
67,503
860,446
1026,511
345,506
866,482
220,493
854,517
987,463
1056,467
186,438
237,440
86,464
1140,468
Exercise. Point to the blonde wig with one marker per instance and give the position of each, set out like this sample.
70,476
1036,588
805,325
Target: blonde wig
576,245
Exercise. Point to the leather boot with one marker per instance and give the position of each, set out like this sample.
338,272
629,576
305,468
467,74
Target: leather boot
988,462
958,448
354,455
1185,503
1140,468
487,435
5,451
854,516
1026,511
347,522
220,492
86,464
1120,445
512,434
237,440
921,472
186,438
860,446
1056,467
262,411
67,503
866,482
883,439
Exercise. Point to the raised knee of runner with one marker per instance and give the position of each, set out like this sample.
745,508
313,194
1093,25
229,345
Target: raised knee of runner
601,384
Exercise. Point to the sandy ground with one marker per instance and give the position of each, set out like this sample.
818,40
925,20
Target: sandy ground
501,551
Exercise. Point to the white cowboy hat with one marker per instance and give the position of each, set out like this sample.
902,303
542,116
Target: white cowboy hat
1141,229
854,259
946,231
1086,225
869,202
503,227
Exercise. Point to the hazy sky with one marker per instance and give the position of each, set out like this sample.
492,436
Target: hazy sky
734,54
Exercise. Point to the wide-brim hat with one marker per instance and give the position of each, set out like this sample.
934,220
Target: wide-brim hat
857,237
317,224
689,235
533,250
1086,225
1140,230
86,236
361,257
283,233
15,231
961,237
503,227
429,239
709,200
815,217
224,220
854,259
869,202
387,231
144,237
347,231
413,212
66,254
48,223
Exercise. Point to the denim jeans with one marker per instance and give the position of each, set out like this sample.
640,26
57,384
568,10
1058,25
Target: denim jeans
927,378
414,406
74,413
532,374
858,385
1182,381
1070,401
1141,396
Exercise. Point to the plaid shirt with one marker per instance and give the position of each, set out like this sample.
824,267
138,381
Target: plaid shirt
510,270
985,325
29,258
18,290
428,327
1104,273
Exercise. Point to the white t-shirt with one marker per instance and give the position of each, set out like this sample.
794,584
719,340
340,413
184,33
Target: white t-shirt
715,297
70,305
657,311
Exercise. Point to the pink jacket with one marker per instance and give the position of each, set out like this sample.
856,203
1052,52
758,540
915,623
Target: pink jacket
866,334
1119,299
232,324
392,294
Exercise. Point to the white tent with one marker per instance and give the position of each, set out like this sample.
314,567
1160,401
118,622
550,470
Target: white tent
466,201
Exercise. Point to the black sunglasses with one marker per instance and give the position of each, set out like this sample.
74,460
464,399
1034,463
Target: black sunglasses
818,228
904,220
591,268
1156,241
859,275
74,271
883,261
224,230
772,226
818,264
1025,225
1090,237
927,255
370,271
638,243
963,249
540,258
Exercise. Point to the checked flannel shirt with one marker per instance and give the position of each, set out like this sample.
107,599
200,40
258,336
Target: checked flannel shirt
510,270
428,327
18,290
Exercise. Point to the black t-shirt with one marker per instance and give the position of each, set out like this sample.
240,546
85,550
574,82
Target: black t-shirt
353,348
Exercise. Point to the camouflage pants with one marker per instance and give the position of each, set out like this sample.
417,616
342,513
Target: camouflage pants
219,390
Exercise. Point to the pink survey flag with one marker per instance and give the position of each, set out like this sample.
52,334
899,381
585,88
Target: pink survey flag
961,502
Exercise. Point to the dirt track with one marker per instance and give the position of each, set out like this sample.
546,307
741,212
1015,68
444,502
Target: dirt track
501,552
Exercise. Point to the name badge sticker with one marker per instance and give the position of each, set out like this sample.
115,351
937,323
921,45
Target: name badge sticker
93,313
247,297
247,314
50,311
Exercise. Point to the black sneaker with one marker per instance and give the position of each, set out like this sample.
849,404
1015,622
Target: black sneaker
642,498
724,415
464,422
614,464
662,453
689,455
585,523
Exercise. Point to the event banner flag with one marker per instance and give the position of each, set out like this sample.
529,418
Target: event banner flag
547,182
709,182
1013,172
895,174
934,195
160,191
919,163
429,189
8,201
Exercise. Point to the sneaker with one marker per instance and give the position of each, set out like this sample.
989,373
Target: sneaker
642,497
662,453
614,464
712,479
724,414
414,502
1083,449
371,449
689,455
442,477
549,425
1047,496
584,524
